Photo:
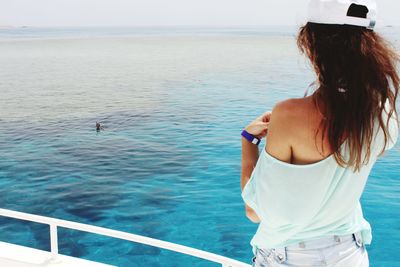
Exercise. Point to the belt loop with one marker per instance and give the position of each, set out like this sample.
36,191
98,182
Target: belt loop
253,259
281,254
358,238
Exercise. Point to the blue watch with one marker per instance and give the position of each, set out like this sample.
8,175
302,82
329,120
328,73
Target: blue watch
251,138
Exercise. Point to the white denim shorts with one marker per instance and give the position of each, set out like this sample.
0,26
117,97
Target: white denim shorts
335,251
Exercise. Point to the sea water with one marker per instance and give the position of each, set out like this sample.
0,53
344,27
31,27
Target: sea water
172,102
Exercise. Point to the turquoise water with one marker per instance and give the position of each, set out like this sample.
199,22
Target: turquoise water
167,165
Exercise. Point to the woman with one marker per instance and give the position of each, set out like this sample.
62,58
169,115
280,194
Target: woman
305,186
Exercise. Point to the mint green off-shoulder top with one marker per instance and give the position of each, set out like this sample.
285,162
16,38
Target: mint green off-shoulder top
302,202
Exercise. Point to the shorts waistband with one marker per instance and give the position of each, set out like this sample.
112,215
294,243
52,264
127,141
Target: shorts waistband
317,243
326,241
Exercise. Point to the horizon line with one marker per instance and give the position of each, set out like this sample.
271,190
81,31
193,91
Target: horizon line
168,26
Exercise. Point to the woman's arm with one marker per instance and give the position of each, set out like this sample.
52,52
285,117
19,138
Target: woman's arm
250,154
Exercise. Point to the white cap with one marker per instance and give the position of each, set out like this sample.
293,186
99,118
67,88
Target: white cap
342,12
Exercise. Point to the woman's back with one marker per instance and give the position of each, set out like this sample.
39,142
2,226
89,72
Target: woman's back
297,137
295,132
306,201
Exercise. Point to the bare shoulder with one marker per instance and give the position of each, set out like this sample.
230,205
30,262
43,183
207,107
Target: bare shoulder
282,129
290,110
285,105
291,132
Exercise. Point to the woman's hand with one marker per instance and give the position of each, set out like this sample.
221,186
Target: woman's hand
259,127
252,215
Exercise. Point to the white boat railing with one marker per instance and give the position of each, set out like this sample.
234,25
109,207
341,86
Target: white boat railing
55,223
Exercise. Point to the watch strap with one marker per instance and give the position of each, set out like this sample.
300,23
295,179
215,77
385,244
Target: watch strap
251,138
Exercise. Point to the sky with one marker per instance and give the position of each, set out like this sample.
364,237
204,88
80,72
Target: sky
55,13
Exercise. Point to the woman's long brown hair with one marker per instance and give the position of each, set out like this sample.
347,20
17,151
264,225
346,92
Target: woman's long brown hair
356,71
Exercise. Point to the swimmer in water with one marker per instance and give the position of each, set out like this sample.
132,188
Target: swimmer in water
99,127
